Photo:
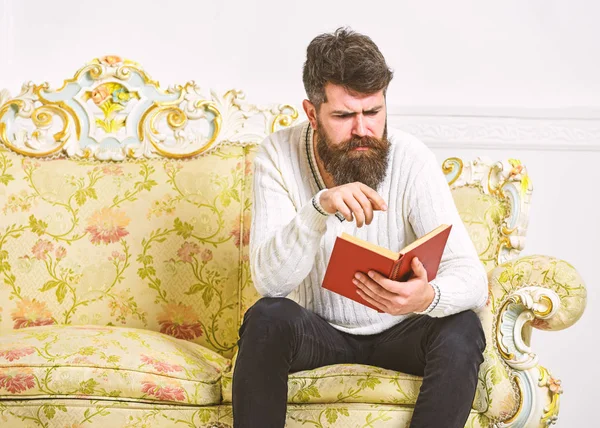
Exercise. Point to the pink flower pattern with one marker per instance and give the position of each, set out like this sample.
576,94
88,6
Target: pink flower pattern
61,253
41,249
16,353
161,366
107,226
16,383
31,313
164,393
187,251
180,321
206,255
115,170
238,237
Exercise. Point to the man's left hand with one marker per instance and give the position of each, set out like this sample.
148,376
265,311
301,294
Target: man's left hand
393,297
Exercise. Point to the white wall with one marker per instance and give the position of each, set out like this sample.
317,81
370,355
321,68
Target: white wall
535,62
534,53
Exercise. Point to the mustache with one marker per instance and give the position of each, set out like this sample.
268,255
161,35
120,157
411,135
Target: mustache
368,142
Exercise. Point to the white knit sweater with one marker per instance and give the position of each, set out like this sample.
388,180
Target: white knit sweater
291,242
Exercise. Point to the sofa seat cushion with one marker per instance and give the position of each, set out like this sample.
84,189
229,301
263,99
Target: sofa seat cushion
109,363
346,383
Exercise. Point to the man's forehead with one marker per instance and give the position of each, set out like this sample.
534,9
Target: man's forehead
340,99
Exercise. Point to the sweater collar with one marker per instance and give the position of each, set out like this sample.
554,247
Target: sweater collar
312,160
312,163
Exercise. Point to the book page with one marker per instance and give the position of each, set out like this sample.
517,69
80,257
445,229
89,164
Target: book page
423,238
370,246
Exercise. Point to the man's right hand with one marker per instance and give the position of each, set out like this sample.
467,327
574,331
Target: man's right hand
353,201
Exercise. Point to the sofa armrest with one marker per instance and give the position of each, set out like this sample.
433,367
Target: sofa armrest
534,291
558,278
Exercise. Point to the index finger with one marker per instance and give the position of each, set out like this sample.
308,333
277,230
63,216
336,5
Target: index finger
384,282
373,197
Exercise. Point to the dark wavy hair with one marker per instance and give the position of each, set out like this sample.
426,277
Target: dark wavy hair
344,58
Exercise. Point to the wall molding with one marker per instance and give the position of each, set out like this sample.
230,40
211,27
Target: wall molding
569,129
495,128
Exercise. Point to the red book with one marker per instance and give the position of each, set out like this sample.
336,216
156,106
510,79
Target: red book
351,255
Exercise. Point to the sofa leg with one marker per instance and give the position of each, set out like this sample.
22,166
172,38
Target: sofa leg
539,393
539,399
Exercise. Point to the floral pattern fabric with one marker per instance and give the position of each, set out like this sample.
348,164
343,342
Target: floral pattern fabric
115,363
346,383
548,272
152,244
482,215
86,413
361,416
99,414
495,394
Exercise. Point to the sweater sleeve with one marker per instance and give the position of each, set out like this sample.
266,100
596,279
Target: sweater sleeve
461,282
284,239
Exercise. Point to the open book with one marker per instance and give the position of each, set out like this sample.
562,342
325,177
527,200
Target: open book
351,255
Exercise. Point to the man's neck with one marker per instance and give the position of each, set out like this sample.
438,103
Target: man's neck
327,178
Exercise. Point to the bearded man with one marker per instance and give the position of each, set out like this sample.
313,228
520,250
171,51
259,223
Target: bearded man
345,171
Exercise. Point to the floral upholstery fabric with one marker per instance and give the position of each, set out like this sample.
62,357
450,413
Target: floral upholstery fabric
346,383
86,413
109,363
100,414
482,215
361,416
495,394
151,244
248,293
549,272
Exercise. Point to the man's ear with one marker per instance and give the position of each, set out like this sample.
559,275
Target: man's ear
311,113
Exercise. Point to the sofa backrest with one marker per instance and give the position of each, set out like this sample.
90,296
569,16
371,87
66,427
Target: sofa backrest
493,199
124,204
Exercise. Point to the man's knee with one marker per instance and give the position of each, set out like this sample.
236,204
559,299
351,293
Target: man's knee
274,308
462,334
270,313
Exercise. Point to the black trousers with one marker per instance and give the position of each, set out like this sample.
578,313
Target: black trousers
278,336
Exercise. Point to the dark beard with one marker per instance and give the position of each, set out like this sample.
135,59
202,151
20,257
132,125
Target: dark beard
347,166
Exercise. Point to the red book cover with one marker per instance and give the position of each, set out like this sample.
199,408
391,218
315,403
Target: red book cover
351,255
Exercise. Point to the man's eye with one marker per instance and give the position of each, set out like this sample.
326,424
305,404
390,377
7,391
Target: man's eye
371,113
344,116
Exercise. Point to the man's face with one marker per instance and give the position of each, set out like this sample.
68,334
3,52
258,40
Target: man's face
352,136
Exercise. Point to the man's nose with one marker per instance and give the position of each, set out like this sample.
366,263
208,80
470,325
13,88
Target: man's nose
359,128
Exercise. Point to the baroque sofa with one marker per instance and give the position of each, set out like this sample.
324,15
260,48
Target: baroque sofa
125,213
